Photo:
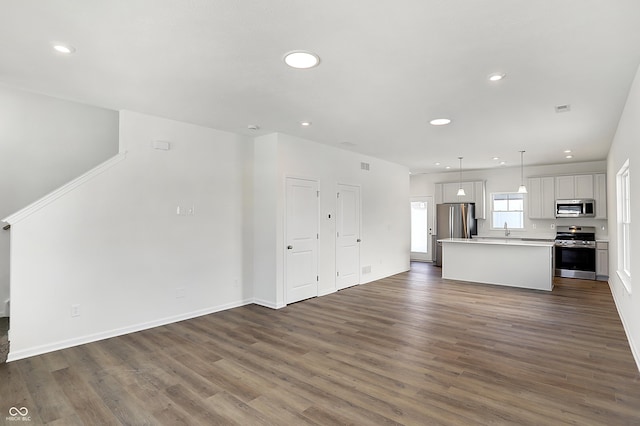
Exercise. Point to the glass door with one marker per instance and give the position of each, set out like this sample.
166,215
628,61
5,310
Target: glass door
421,229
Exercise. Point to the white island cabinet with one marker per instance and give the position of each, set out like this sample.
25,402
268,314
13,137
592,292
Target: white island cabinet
514,263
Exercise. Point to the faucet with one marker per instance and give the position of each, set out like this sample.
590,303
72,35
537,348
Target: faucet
506,230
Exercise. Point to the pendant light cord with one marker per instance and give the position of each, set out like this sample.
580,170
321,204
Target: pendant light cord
522,189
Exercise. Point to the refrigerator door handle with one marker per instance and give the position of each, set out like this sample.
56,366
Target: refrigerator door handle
465,228
450,221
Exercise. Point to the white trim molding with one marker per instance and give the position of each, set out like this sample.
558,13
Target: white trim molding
81,340
54,195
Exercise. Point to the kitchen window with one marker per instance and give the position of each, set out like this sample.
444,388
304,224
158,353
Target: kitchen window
623,184
507,209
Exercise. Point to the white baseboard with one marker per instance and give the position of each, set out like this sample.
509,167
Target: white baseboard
634,348
5,309
39,350
325,292
267,304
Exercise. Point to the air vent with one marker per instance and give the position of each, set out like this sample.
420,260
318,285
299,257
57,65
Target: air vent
364,166
563,108
366,269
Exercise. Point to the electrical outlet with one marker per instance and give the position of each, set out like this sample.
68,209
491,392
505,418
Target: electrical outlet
75,310
553,226
186,211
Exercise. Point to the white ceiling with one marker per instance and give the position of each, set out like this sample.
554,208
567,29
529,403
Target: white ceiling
387,69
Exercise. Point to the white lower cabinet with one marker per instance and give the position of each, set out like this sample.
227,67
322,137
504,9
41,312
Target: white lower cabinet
602,260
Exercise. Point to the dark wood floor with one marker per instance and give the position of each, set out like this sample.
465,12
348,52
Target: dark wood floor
410,349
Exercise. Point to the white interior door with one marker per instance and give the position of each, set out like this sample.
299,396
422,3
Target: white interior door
301,239
348,236
422,229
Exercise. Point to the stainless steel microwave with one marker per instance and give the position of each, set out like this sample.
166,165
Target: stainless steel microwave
575,208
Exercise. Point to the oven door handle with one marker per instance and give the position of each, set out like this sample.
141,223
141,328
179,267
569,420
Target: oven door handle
577,247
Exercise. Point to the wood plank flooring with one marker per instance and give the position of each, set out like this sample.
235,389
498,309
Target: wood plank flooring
411,349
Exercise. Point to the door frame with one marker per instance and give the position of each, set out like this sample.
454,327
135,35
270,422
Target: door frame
430,256
284,234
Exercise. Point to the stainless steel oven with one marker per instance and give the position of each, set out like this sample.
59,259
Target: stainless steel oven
575,252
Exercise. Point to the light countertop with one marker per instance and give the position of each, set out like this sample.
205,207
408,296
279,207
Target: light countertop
498,241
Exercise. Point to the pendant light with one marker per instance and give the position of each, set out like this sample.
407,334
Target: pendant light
522,189
461,192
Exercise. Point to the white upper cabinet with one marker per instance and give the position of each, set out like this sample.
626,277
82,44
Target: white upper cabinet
565,187
600,195
474,193
450,192
438,194
480,198
542,197
574,187
584,186
543,191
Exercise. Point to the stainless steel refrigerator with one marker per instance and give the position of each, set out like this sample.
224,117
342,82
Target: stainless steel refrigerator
454,220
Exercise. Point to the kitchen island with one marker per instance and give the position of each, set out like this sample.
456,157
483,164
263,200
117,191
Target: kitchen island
508,262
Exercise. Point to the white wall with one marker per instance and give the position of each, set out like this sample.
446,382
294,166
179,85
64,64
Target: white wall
44,143
115,246
120,252
265,198
385,211
626,145
507,179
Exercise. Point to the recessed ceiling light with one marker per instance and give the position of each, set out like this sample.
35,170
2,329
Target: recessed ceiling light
440,121
305,123
495,158
301,59
437,164
497,76
502,163
568,156
253,127
567,151
63,48
448,167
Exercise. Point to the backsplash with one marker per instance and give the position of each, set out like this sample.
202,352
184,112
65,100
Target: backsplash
544,229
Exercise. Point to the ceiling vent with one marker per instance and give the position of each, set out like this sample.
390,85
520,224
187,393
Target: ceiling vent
563,108
364,166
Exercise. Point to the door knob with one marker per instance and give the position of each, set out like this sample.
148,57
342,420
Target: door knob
289,247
